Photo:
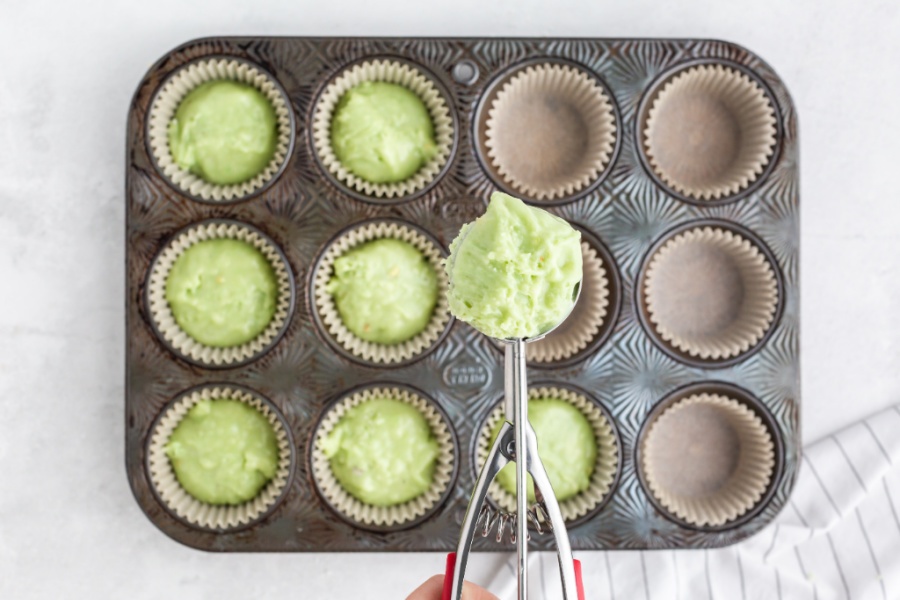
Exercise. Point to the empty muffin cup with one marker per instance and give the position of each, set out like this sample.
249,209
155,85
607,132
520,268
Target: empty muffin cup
584,322
396,516
184,505
398,73
182,83
606,463
550,131
707,459
710,132
326,308
164,320
710,293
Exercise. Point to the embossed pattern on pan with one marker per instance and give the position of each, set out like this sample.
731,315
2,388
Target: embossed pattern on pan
626,210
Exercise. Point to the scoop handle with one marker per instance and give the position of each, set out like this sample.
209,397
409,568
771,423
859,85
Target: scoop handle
579,584
451,567
448,576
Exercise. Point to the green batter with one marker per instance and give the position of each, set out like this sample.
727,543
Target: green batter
223,452
382,132
224,132
385,291
222,292
566,444
514,270
382,452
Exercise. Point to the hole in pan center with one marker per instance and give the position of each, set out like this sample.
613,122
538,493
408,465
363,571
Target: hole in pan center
544,138
702,452
697,139
704,290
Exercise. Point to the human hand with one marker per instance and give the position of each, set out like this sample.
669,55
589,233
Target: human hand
432,589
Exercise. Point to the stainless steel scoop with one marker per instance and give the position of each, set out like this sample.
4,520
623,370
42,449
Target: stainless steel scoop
516,442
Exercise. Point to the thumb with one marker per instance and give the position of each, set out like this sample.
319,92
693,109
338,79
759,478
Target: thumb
474,592
431,590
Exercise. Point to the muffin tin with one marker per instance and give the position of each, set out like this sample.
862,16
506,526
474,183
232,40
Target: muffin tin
628,210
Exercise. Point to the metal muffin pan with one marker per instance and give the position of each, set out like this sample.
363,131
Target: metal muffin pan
626,213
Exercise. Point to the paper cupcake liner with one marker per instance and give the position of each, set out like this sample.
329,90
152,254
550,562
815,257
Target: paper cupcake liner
688,97
399,73
605,466
531,150
678,263
384,516
586,319
178,500
328,313
180,85
745,485
161,314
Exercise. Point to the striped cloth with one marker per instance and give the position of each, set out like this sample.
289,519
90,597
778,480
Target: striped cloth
838,537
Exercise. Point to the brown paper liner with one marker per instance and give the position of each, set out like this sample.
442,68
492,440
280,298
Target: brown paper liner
550,131
710,293
391,72
710,132
178,500
180,85
161,313
604,468
585,320
328,313
708,459
383,516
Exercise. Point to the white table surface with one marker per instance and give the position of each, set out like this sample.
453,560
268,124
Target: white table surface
68,524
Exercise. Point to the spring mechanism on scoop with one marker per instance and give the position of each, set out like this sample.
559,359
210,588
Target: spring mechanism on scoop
490,519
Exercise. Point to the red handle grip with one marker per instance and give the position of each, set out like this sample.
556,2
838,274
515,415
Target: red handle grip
451,568
579,584
448,576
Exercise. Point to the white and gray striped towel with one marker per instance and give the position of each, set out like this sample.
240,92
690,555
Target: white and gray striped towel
838,537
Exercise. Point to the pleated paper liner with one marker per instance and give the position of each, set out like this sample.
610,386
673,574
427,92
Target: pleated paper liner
179,85
550,131
605,467
330,319
400,73
584,323
710,293
178,500
398,516
161,314
707,459
710,132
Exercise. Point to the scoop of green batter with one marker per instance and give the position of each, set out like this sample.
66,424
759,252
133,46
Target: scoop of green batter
385,290
566,444
382,452
223,452
222,292
513,271
382,132
224,132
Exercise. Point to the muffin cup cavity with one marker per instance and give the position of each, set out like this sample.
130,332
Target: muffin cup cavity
560,110
391,71
605,468
583,325
164,321
179,85
327,314
710,293
707,459
398,516
709,132
178,500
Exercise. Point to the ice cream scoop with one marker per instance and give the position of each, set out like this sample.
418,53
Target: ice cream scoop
515,275
514,272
